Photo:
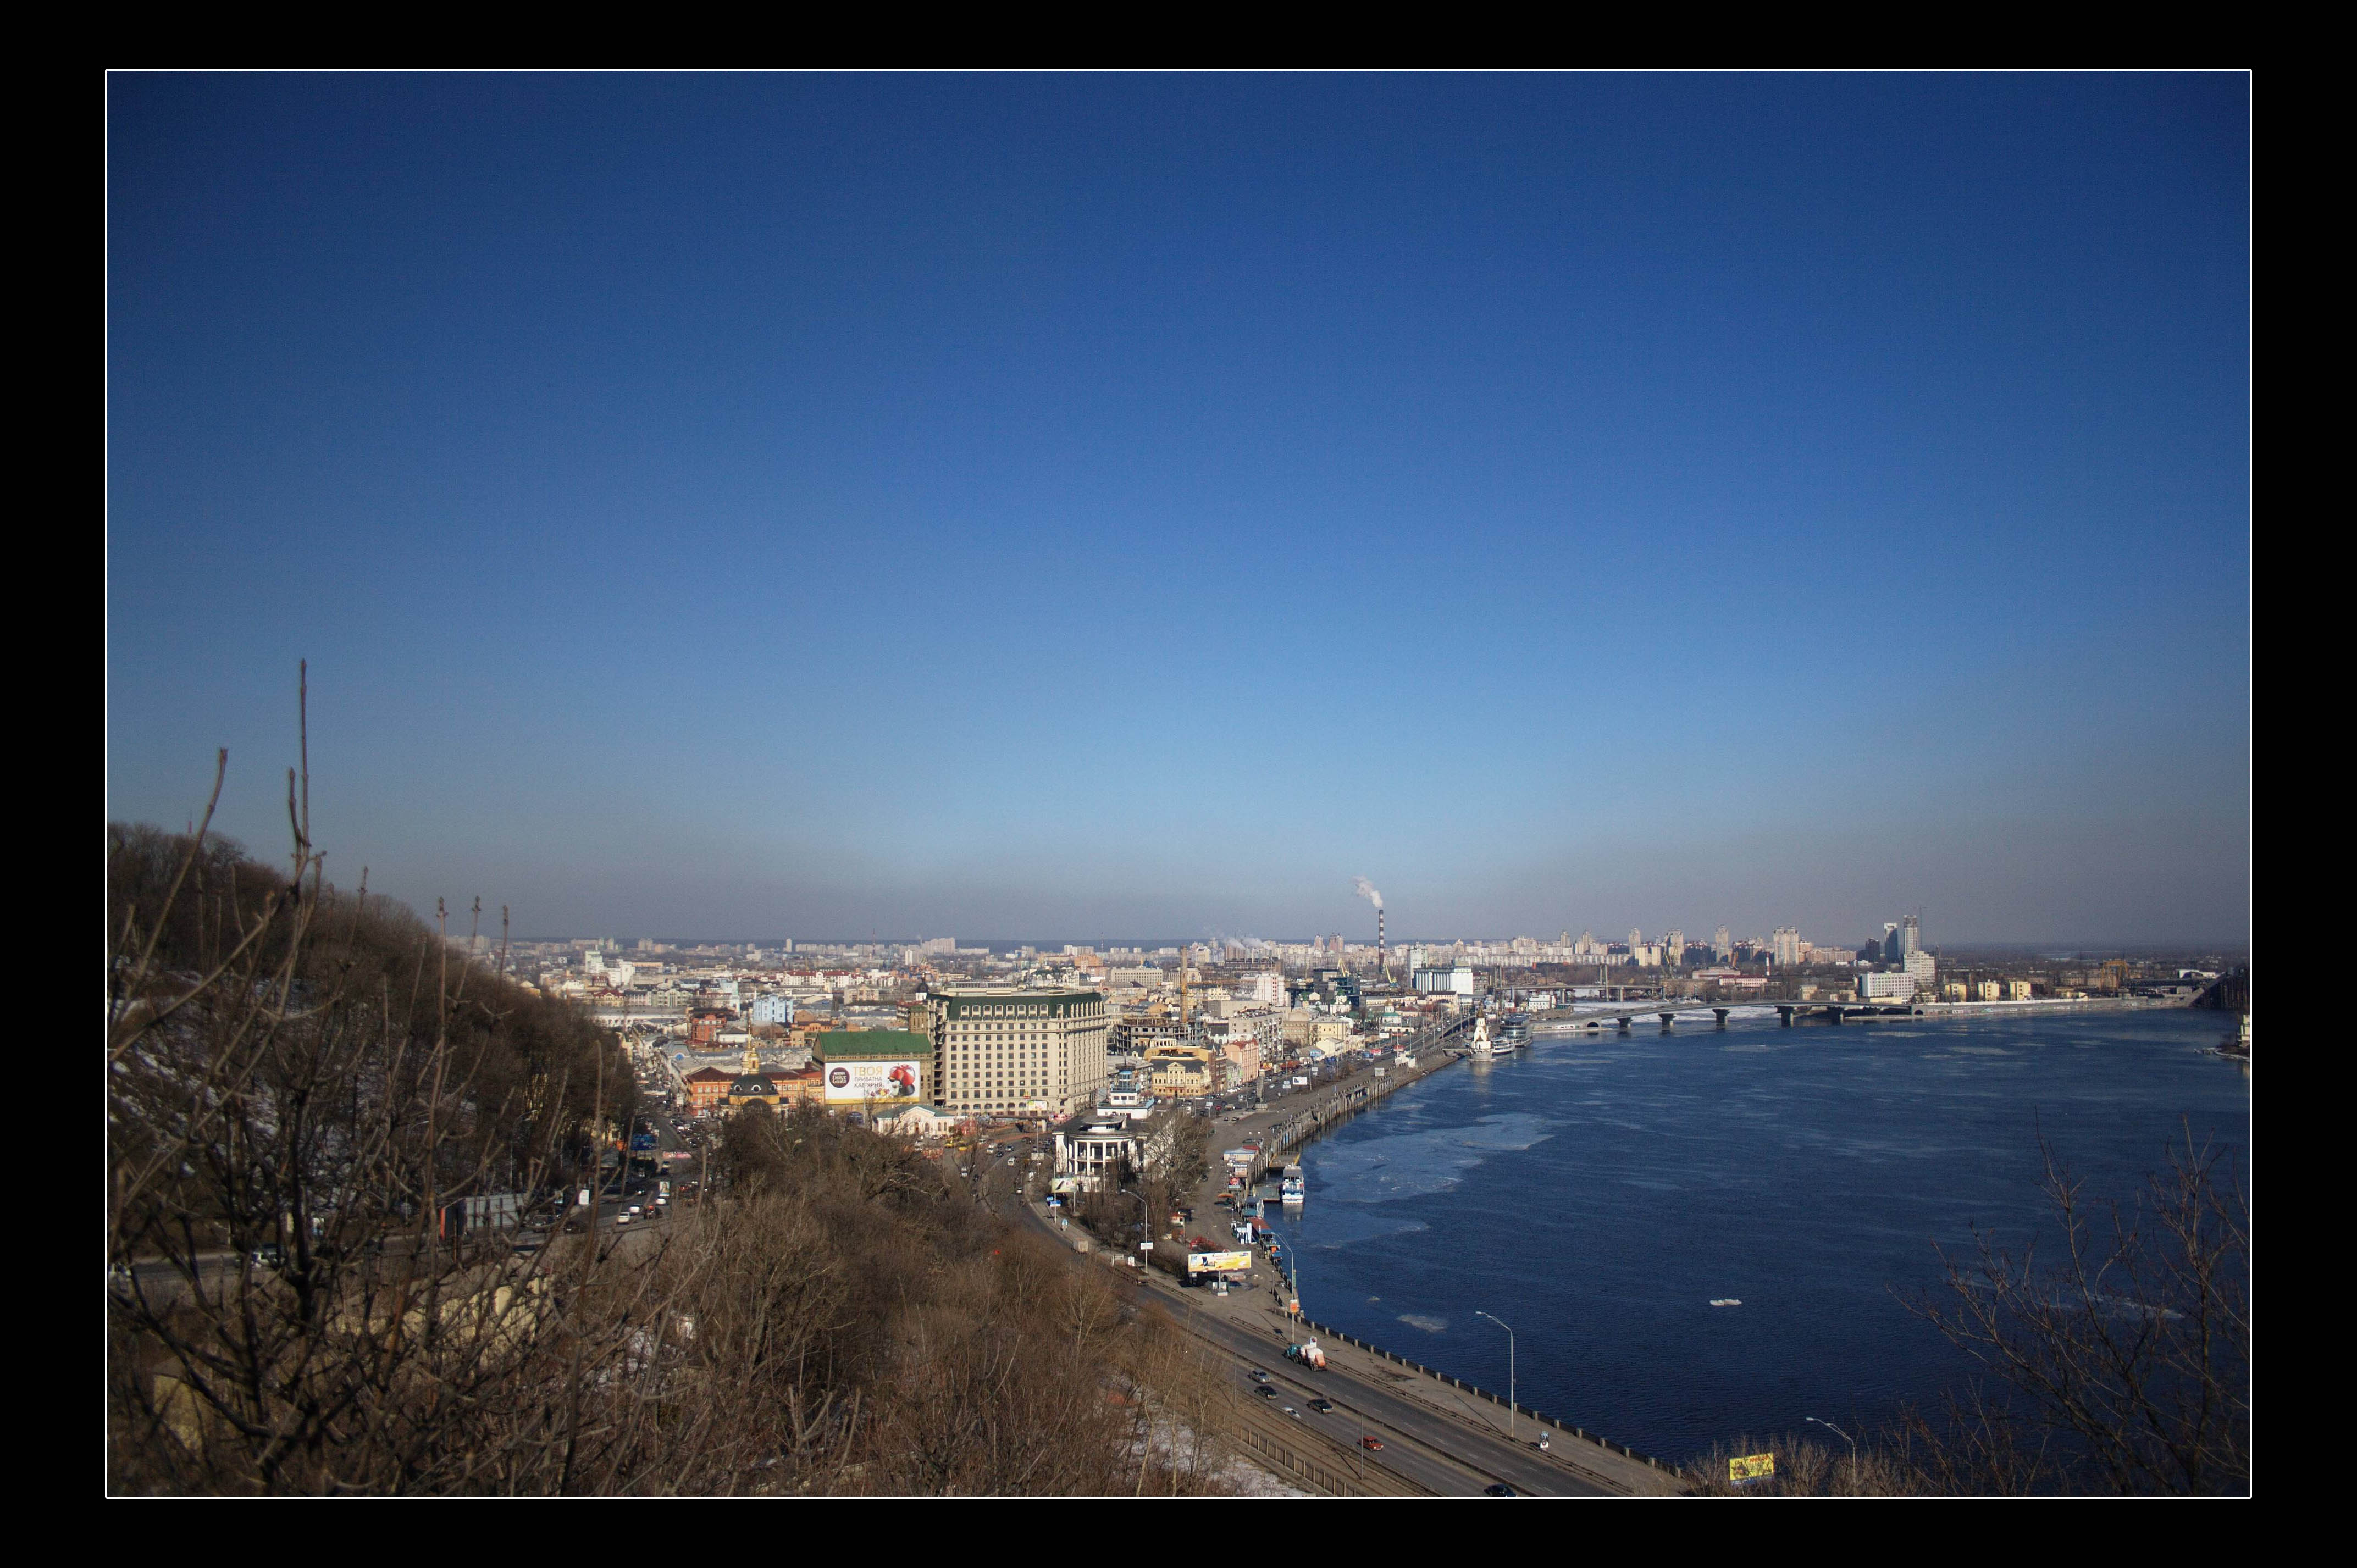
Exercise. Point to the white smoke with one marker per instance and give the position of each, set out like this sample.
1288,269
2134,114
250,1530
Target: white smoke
1366,889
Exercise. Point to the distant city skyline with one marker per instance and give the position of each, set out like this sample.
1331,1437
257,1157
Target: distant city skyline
776,502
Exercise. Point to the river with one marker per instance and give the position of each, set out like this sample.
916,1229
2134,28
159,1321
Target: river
1598,1191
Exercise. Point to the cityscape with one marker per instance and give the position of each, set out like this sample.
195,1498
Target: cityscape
604,567
1195,1018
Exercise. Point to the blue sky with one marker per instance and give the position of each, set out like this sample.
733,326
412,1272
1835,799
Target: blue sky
1068,506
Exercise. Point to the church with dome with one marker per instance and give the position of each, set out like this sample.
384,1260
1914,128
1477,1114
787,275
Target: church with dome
753,1086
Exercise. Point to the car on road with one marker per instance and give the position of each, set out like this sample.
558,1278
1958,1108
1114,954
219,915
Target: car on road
269,1255
1499,1490
1293,1412
1322,1406
1372,1444
1258,1376
1266,1392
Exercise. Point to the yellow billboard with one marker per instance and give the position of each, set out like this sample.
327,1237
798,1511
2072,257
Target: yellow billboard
1750,1467
1219,1262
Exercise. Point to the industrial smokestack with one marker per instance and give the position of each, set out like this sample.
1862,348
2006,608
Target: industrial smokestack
1366,889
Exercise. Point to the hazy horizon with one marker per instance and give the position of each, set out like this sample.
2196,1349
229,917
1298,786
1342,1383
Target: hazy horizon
925,503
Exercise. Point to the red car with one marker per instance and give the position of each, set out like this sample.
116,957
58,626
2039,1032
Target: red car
1371,1444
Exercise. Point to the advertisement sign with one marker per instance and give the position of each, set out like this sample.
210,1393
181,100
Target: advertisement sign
864,1081
1750,1467
1219,1262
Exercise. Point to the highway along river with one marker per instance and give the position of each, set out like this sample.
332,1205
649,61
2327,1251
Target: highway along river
1599,1192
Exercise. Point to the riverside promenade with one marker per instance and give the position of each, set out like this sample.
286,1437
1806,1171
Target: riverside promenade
1308,1112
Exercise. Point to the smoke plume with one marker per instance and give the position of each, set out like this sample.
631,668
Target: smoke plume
1366,889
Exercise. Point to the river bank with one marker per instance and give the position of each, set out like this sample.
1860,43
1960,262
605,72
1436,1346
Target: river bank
1601,1192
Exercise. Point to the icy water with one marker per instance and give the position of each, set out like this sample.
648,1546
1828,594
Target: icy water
1597,1192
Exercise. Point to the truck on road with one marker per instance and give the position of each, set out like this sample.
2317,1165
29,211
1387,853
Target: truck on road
1306,1354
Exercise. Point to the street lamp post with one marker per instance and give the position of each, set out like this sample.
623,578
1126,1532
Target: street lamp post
1145,1213
1837,1431
1510,1371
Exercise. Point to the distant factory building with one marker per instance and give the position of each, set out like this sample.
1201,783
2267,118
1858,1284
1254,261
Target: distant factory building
1457,980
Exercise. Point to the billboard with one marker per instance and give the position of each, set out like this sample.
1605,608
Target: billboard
1745,1467
1219,1262
856,1081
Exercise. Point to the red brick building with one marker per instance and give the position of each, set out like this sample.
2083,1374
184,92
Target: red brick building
707,1088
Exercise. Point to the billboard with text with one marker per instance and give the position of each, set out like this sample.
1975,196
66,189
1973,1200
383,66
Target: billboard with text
857,1081
1219,1262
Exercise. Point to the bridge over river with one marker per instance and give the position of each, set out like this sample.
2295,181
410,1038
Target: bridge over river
1787,1013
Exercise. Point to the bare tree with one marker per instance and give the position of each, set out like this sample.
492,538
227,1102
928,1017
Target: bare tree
306,1086
2122,1355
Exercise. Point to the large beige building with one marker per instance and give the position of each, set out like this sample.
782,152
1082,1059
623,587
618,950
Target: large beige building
1007,1052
